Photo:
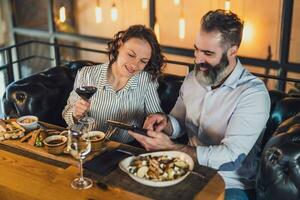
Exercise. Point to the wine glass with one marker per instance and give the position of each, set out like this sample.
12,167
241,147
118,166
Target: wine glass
86,92
79,148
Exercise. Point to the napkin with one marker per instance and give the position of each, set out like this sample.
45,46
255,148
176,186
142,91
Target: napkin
106,162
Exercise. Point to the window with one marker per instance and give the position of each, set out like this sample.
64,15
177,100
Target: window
31,14
81,16
295,40
35,64
68,54
261,32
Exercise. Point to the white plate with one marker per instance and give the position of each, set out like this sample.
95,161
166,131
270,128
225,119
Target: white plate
126,162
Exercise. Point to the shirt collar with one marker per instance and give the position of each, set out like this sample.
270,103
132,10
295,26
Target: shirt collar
131,84
232,80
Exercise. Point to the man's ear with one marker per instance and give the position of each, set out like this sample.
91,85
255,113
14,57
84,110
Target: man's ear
232,51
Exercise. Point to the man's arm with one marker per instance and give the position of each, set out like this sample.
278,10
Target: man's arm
243,129
191,151
160,141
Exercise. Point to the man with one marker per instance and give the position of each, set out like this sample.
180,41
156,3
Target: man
221,107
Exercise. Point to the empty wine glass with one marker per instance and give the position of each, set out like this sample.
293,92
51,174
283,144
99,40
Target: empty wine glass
79,148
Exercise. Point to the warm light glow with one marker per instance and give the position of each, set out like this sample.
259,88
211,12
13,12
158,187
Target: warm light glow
181,28
248,33
156,31
114,13
98,13
144,4
227,5
62,14
176,2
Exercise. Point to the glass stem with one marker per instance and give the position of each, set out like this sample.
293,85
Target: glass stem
81,170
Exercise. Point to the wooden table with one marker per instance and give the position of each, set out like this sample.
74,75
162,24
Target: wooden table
25,178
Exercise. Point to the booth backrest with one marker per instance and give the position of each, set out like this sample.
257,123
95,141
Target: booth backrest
43,94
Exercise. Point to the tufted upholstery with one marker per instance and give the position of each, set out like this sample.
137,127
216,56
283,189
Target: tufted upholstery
168,91
279,170
45,94
283,106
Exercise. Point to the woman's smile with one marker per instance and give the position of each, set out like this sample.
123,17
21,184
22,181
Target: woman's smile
129,69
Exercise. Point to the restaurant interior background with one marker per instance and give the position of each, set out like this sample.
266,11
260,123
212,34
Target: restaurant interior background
270,44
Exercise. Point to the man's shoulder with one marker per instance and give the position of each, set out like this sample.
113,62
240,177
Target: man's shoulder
251,82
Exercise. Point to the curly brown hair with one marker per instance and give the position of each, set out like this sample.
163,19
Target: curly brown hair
156,62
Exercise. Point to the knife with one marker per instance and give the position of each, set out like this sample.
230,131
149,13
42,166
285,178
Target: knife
122,125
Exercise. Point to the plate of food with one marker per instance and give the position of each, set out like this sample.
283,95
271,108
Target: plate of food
158,169
10,130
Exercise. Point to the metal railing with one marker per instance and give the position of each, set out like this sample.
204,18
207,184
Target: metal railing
8,52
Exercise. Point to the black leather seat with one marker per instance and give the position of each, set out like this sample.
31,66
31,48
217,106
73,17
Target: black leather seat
168,91
279,171
45,95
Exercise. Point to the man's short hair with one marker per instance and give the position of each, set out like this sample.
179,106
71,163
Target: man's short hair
226,22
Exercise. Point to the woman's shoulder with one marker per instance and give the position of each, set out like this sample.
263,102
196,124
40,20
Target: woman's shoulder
145,77
95,69
98,67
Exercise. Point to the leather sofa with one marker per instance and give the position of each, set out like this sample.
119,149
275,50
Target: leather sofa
279,170
45,94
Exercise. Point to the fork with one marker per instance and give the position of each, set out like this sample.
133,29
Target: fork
197,174
109,132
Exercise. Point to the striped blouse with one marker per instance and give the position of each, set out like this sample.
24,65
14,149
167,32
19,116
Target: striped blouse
130,105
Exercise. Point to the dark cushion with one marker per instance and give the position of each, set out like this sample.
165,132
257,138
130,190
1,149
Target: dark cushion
279,171
43,94
168,91
283,106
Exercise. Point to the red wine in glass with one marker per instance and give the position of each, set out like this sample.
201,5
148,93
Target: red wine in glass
86,92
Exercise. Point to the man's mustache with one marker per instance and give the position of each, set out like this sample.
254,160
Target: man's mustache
203,65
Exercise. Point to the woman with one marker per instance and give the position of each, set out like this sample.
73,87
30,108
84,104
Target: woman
126,85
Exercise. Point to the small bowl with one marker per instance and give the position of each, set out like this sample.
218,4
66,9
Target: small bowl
29,122
96,138
55,144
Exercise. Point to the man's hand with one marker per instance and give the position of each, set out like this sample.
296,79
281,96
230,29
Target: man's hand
80,108
154,140
158,122
160,141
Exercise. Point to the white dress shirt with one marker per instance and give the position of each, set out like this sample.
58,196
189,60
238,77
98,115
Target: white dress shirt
224,124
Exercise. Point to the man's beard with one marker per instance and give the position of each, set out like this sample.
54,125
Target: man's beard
215,74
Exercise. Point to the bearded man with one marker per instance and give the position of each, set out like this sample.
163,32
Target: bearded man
222,108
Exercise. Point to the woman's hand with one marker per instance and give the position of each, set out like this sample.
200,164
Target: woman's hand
156,122
80,108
